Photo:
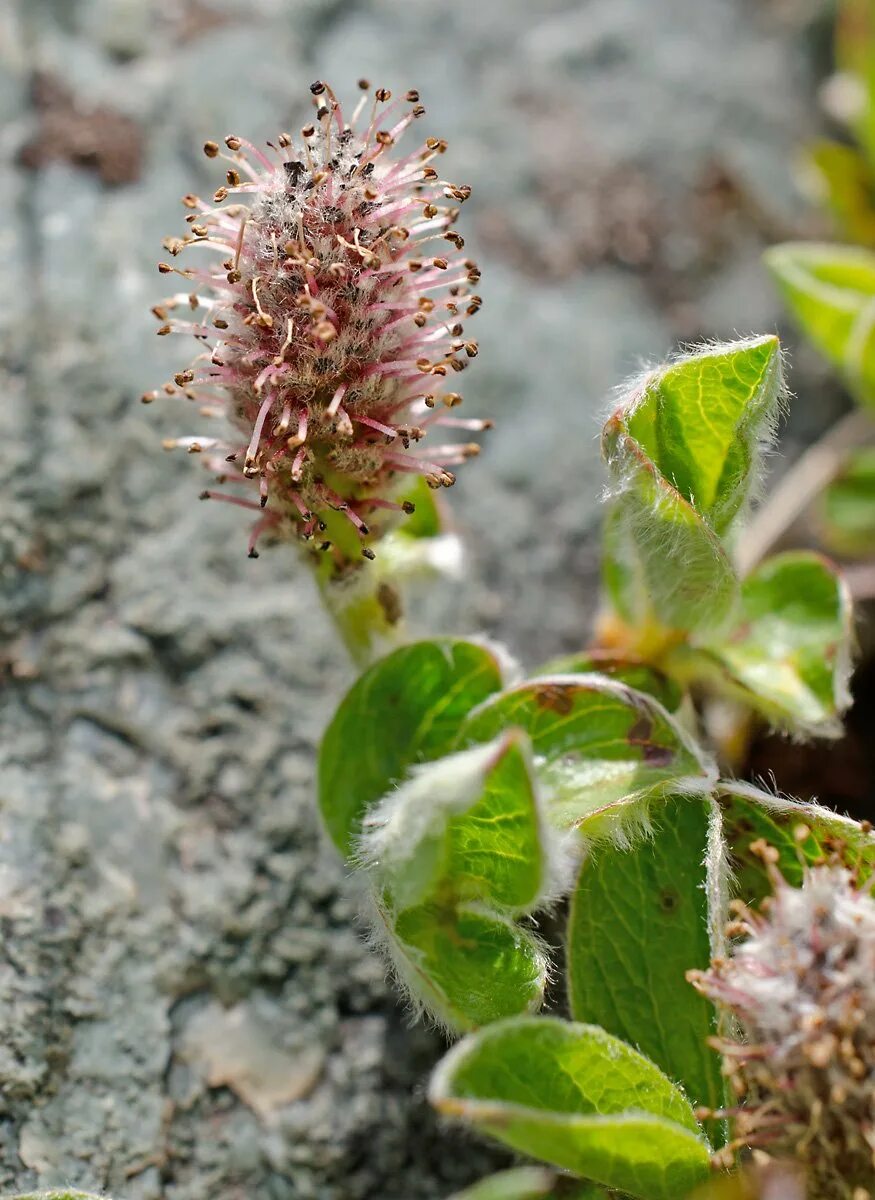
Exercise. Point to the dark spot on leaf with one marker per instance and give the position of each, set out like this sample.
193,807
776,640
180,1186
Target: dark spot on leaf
669,900
653,754
556,697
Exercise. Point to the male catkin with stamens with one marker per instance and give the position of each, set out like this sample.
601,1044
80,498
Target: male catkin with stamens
332,324
802,988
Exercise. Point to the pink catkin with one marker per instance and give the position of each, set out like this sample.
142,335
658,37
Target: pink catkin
333,317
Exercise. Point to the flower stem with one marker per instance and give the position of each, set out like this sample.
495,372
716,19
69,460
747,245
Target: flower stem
366,613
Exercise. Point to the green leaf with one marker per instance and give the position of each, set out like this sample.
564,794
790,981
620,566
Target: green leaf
846,182
633,672
699,422
639,921
428,518
452,854
848,506
530,1183
789,655
574,1096
831,292
684,452
602,748
801,833
465,828
405,709
468,966
855,58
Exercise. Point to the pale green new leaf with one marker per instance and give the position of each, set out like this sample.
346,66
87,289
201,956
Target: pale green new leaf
405,709
639,921
574,1096
848,506
789,654
684,453
830,290
602,749
802,833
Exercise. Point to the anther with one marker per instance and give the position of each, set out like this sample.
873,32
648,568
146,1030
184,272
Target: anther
383,94
317,88
233,178
232,142
211,149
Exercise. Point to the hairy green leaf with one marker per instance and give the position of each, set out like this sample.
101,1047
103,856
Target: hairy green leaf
467,965
467,827
452,854
639,921
848,506
789,655
684,451
601,747
633,672
530,1183
801,833
574,1096
831,292
405,709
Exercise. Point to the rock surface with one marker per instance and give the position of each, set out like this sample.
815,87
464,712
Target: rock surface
187,1007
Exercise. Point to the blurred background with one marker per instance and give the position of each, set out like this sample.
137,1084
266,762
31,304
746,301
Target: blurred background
187,1007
